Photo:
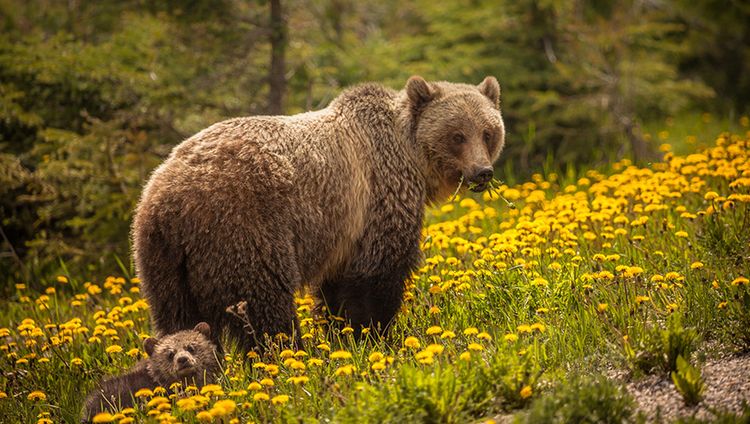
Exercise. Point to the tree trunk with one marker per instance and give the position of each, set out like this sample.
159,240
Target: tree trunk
277,73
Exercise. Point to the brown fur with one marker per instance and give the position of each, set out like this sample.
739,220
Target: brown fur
186,357
252,209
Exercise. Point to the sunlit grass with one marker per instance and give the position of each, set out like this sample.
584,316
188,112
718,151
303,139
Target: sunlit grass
583,273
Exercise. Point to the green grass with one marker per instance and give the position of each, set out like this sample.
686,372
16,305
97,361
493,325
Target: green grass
626,270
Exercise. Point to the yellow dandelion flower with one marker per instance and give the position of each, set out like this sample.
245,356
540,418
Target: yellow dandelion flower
475,347
103,417
435,329
525,392
204,416
143,393
435,348
187,404
114,349
641,299
254,386
711,195
261,396
378,366
158,400
412,342
510,337
286,353
344,370
210,389
314,362
740,281
471,331
36,395
681,234
280,399
237,393
484,336
447,334
539,281
375,357
266,382
224,407
538,326
298,380
341,354
602,307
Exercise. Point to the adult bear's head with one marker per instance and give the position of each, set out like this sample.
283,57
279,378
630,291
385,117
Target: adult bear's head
459,130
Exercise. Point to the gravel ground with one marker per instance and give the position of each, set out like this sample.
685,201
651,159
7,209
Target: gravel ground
727,386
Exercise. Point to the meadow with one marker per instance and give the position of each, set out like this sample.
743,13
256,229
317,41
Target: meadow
526,294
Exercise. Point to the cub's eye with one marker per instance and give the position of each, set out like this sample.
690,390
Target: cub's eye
171,355
487,136
190,349
459,138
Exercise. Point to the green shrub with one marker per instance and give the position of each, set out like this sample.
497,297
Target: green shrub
582,400
688,381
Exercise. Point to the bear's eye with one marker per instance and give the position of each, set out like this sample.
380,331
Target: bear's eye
487,137
190,349
171,355
459,138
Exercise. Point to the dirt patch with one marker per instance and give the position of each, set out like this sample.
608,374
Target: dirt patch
727,386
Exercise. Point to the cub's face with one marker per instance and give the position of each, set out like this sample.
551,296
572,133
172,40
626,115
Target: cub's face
183,356
460,130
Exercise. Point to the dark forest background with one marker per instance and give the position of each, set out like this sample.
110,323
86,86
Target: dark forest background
94,94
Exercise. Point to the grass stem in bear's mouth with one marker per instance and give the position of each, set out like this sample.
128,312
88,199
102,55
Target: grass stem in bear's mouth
455,193
493,186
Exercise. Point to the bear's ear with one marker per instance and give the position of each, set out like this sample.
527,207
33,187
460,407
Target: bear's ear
204,329
491,89
150,344
419,91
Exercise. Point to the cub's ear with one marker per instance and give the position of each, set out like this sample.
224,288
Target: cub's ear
420,91
150,344
491,89
204,329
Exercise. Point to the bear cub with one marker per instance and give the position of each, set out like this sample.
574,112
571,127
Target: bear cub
186,357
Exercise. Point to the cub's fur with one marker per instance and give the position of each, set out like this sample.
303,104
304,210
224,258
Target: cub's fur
252,209
186,357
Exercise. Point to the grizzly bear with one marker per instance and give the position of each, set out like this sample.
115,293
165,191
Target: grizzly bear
185,357
253,209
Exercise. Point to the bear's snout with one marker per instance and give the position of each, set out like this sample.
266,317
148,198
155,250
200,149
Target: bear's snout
183,360
481,175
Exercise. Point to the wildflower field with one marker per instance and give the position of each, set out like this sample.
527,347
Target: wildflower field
559,282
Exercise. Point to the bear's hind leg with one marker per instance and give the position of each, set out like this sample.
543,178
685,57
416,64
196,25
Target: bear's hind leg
366,302
162,270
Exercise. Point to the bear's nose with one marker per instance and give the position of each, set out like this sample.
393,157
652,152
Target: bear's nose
182,360
482,176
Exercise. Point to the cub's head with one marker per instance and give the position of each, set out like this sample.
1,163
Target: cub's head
186,356
460,131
